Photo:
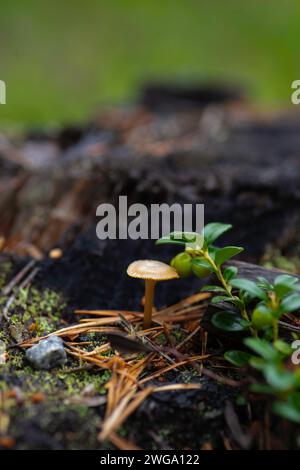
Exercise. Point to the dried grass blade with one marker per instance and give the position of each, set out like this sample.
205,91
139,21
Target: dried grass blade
183,303
121,443
122,412
107,313
169,388
174,366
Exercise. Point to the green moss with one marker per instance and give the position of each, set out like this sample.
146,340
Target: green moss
178,335
55,384
161,339
44,308
5,270
164,433
273,258
123,431
187,375
74,382
44,326
3,336
77,426
16,360
38,381
241,400
41,306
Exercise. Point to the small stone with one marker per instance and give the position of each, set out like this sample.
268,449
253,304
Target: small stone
56,253
48,353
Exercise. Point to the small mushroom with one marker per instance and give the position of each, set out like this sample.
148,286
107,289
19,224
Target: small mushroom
151,271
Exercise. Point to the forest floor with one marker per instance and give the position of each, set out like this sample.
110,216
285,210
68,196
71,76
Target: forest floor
177,146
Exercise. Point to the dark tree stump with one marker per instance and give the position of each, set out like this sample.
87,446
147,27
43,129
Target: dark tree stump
243,166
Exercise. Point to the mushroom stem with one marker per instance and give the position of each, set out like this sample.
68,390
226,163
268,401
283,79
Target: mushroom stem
149,295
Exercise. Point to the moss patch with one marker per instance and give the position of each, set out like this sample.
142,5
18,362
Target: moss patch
38,310
273,258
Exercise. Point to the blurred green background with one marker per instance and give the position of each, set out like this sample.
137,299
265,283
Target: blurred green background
60,59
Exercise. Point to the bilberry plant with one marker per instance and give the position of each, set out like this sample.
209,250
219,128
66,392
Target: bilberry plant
246,306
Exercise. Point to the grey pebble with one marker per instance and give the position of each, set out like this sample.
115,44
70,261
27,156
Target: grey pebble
48,353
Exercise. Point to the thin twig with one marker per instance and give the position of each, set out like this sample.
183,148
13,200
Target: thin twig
18,277
288,326
220,379
187,339
158,350
13,297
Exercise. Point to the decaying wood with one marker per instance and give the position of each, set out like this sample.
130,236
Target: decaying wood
253,271
242,164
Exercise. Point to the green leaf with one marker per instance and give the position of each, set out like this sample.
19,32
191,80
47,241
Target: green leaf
297,379
278,377
263,348
264,283
284,284
290,303
168,241
261,388
221,298
290,409
237,358
181,238
214,230
250,287
203,263
239,303
286,279
257,363
223,254
283,347
228,321
229,273
209,288
187,237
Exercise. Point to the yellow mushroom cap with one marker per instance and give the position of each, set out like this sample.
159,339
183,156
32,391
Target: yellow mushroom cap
150,269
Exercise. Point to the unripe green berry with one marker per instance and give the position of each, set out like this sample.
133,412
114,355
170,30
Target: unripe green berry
183,264
261,318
